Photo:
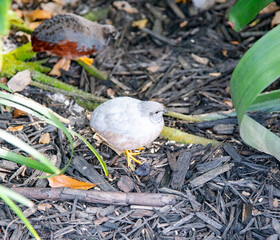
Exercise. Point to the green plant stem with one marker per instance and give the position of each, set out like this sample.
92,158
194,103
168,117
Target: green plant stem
182,137
75,94
93,71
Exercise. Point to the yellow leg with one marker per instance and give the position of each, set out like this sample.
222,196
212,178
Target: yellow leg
86,60
130,156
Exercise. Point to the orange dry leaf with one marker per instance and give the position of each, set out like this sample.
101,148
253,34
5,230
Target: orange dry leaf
16,128
38,15
18,113
228,102
63,63
65,181
140,23
45,138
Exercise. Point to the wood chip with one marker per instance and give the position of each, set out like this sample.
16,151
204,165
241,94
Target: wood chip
211,174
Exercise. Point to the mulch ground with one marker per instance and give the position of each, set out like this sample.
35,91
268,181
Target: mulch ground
227,192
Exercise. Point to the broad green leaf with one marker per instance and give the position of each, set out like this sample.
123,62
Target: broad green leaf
244,12
257,69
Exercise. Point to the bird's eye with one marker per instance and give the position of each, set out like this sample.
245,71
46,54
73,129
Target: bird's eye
157,112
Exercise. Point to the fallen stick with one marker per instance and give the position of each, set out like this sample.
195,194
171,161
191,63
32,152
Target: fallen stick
91,196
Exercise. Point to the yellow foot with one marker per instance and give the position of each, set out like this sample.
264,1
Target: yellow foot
130,156
86,60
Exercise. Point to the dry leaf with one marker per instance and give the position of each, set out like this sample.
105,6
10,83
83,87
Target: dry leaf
153,68
63,63
140,23
225,53
18,113
44,206
34,25
111,92
19,13
54,8
45,138
65,181
38,15
16,128
183,24
275,19
19,81
2,177
200,60
234,42
217,74
270,8
275,202
3,80
228,102
125,6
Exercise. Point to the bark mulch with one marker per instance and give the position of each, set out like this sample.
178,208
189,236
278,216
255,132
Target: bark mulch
183,58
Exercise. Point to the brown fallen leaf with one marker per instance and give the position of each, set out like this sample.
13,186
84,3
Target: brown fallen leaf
45,138
33,25
275,202
44,206
16,128
63,63
54,8
38,15
275,20
125,6
199,59
215,74
18,113
270,8
153,68
228,102
65,181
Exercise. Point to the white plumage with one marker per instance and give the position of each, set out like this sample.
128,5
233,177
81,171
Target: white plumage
127,123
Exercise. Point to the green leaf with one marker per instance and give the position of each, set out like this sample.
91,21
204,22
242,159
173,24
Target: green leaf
17,158
257,69
27,148
4,20
5,87
103,164
244,12
6,196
